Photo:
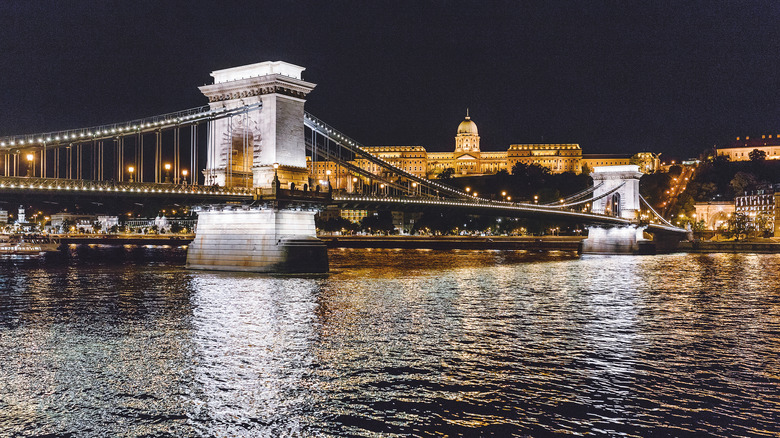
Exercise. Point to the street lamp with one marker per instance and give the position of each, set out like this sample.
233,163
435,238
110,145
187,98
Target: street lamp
414,188
167,168
327,173
536,199
131,169
468,189
184,173
30,169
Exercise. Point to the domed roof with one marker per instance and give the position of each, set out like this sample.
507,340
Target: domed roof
467,126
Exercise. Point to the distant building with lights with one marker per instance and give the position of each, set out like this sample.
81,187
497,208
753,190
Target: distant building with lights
740,149
759,206
715,214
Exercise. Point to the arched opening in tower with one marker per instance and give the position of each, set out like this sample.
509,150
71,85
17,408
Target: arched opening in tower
241,158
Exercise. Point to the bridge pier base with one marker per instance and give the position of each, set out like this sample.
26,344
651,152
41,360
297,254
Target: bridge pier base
617,240
257,239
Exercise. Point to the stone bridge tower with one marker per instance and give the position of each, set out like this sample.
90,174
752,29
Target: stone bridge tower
243,149
625,201
270,236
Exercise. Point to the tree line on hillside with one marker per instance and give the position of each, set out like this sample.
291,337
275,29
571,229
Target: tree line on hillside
525,182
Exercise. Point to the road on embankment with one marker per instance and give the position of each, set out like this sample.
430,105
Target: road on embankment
546,243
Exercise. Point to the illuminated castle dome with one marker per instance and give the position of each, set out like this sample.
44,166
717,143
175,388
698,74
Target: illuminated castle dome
467,139
468,126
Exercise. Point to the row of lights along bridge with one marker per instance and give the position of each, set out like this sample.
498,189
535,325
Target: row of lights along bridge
130,170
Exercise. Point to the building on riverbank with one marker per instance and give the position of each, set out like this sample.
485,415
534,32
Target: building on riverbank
714,214
759,207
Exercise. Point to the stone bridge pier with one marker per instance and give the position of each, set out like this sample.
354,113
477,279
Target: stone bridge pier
263,150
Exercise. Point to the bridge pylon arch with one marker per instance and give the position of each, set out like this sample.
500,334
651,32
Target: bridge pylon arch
623,182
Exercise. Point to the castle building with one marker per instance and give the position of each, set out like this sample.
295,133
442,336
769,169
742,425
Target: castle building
468,159
740,149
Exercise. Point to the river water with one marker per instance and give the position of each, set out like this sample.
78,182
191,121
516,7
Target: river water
126,342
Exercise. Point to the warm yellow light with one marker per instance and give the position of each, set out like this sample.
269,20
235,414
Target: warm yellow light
130,169
327,172
414,184
503,193
468,189
30,157
354,179
167,166
276,165
184,172
508,198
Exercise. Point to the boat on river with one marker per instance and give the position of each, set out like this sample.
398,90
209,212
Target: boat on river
23,244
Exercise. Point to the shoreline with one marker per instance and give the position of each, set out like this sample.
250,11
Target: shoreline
706,246
511,243
529,243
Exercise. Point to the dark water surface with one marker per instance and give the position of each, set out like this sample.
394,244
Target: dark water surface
392,343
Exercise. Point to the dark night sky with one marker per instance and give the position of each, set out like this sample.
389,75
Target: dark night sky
615,77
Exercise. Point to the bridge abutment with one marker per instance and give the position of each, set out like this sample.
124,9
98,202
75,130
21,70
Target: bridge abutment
257,239
628,239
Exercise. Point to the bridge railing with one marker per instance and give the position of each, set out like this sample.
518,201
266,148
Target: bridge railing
59,184
102,132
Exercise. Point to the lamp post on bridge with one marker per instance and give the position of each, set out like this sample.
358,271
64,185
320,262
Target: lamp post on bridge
184,176
131,170
30,165
167,168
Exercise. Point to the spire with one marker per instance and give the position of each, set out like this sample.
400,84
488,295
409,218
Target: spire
467,113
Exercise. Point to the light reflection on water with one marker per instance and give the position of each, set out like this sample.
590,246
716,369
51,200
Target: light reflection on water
393,342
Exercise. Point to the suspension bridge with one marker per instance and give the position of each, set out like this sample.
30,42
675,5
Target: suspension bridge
249,160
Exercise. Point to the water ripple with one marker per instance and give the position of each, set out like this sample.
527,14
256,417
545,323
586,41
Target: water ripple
393,343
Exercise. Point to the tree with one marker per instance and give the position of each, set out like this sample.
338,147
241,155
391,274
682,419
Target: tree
97,226
381,222
757,155
66,225
738,225
446,174
743,182
764,224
